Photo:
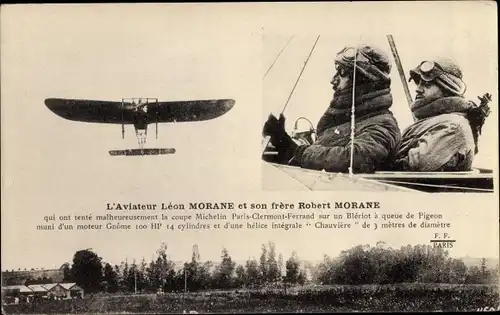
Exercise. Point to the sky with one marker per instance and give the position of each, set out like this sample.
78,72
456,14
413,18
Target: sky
183,52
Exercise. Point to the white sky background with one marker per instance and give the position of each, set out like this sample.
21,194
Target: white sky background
182,52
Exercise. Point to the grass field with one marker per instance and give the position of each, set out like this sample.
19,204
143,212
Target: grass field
404,297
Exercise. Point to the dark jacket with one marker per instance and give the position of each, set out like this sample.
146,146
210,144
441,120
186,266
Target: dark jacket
376,135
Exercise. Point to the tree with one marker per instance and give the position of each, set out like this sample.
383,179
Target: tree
474,275
263,265
355,267
191,270
196,275
224,272
322,273
494,275
273,271
380,265
87,270
485,273
111,278
66,269
241,277
153,275
118,274
142,281
481,274
457,271
161,273
292,269
131,277
302,276
483,266
204,275
252,272
123,282
280,264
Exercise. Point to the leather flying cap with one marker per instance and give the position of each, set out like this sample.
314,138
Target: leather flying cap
372,62
444,72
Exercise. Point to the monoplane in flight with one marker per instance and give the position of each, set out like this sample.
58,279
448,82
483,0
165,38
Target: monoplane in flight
139,112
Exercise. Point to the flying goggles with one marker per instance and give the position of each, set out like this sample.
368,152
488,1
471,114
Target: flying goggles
427,71
364,64
346,56
430,71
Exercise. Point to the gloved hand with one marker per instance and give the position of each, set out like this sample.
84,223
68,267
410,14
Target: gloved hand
485,99
283,143
273,127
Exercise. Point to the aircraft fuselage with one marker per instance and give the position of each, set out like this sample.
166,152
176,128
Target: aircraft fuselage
141,120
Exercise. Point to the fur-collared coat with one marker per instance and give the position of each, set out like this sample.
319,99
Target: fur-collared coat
376,134
441,140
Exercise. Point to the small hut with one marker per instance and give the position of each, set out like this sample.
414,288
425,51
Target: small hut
74,290
56,291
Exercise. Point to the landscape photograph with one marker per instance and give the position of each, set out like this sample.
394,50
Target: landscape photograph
364,277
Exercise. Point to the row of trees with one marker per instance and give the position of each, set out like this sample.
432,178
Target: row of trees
358,265
93,274
379,265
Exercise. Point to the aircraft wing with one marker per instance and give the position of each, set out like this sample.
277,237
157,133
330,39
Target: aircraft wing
291,177
185,111
117,113
296,178
89,110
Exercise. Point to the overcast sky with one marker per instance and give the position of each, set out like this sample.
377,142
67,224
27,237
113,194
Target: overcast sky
182,52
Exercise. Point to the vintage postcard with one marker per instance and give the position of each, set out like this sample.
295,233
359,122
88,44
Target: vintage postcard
250,158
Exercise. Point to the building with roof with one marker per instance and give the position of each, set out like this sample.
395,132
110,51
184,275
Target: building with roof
63,290
38,289
51,290
74,289
56,290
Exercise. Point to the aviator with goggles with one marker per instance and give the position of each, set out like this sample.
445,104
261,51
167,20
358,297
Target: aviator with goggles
344,57
427,71
364,63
